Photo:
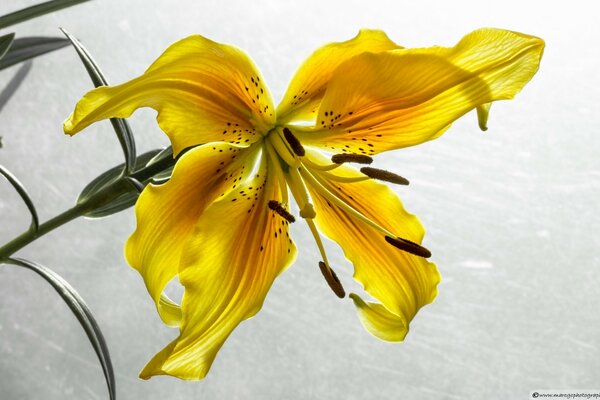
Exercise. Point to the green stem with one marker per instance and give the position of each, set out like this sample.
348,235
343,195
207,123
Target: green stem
29,236
104,196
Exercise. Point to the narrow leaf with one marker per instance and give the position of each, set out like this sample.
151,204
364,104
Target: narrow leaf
111,176
5,42
35,222
14,83
25,48
36,11
167,152
121,127
165,155
121,203
82,313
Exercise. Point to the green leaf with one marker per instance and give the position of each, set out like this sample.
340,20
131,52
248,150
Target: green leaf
36,11
166,155
25,48
121,203
120,126
82,313
109,177
35,222
5,42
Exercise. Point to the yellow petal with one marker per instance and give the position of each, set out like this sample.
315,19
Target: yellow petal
167,214
238,248
400,98
379,321
310,81
402,282
203,91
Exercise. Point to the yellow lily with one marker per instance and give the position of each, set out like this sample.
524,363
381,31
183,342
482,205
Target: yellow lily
221,222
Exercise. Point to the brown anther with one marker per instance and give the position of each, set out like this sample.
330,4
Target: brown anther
383,175
294,142
408,246
354,158
332,280
279,209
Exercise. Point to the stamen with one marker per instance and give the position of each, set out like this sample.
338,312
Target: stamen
294,142
408,246
275,165
279,209
354,158
383,175
343,179
283,150
317,182
319,167
332,280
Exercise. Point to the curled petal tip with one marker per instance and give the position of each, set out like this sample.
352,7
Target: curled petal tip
483,112
68,127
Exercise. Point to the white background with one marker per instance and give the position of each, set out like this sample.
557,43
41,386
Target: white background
511,217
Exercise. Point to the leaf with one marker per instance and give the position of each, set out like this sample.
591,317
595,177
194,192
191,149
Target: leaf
109,177
35,222
36,11
166,155
120,126
25,48
121,203
5,42
82,313
167,152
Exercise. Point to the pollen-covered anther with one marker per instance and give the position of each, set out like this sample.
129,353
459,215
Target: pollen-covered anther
332,280
408,246
280,209
350,157
294,142
383,175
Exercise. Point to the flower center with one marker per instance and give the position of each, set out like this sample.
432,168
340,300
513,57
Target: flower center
295,170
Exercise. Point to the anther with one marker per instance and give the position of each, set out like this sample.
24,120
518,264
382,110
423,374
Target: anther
294,142
279,209
354,158
384,175
332,280
408,246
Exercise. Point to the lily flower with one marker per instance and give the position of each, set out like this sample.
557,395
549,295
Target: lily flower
221,223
